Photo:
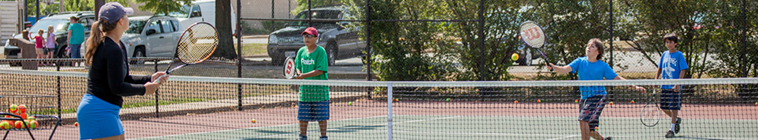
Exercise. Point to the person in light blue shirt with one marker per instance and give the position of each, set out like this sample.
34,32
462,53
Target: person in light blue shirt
593,99
671,66
75,37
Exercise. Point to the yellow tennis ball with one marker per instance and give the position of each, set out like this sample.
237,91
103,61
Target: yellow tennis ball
611,103
5,125
76,124
539,101
252,121
349,103
576,101
448,99
514,57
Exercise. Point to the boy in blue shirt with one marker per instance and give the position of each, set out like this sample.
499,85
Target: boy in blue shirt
593,97
671,66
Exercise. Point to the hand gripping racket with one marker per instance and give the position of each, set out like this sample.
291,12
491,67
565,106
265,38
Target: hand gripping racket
196,44
534,37
289,69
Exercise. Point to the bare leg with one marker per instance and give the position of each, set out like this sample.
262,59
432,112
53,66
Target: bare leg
322,125
119,137
303,127
674,115
586,133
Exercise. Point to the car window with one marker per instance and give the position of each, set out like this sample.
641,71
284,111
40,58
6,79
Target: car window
177,25
323,14
87,22
195,11
167,28
60,25
136,26
156,25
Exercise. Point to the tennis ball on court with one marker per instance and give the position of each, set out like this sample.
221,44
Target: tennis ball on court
514,57
22,108
611,103
515,102
76,124
395,99
349,103
756,103
33,124
596,128
252,121
5,125
448,99
576,101
539,101
632,101
13,108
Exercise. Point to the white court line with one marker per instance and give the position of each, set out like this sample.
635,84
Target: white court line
380,124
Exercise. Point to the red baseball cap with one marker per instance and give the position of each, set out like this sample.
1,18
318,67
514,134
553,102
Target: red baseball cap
310,31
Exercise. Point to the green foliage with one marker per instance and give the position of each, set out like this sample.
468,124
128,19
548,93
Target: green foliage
88,5
163,7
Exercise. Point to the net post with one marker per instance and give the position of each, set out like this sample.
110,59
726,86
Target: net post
389,110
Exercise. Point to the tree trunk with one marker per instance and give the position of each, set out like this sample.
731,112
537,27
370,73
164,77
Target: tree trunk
225,47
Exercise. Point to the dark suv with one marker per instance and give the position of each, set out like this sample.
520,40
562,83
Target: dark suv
338,41
60,24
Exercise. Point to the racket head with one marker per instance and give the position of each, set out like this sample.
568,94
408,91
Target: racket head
197,43
532,34
650,115
289,69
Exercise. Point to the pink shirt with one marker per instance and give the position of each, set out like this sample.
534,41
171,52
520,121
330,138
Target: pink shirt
38,42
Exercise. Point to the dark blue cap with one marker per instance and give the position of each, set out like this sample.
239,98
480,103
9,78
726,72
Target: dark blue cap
113,11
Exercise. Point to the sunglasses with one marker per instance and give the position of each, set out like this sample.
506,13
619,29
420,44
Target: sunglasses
309,36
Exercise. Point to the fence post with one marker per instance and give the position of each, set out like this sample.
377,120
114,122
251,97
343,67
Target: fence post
157,112
239,53
58,68
389,110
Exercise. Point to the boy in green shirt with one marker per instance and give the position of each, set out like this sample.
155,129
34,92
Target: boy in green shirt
313,104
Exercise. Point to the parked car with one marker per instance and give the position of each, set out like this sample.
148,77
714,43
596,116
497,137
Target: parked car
338,41
60,22
201,10
152,36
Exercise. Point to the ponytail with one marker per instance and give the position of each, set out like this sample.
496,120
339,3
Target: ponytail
95,38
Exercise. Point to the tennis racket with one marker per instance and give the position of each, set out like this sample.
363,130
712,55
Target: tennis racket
196,44
533,35
289,70
651,114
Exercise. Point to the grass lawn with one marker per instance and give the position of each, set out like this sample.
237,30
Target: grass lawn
249,49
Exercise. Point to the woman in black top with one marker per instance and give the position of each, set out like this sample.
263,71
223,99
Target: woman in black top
109,78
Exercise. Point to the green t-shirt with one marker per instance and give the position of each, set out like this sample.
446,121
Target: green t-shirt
307,62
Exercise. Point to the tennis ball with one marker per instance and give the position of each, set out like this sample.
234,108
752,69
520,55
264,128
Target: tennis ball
5,125
76,124
611,103
395,99
23,116
514,57
756,103
632,101
515,102
349,103
33,124
576,101
22,109
448,99
19,124
596,128
539,101
32,118
13,108
252,121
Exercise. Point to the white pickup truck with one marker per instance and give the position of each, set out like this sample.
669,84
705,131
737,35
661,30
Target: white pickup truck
152,36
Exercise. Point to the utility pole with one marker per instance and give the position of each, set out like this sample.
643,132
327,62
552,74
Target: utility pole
60,6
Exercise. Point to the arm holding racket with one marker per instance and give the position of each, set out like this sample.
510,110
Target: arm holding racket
559,69
309,74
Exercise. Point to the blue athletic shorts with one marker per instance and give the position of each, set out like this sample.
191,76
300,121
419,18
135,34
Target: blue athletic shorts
590,110
671,100
98,118
313,111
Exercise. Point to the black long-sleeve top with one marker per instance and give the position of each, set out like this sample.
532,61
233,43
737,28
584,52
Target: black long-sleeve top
109,77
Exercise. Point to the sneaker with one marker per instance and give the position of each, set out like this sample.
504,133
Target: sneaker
676,127
302,137
669,134
323,138
608,138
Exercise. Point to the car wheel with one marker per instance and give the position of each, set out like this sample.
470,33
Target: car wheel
331,53
138,52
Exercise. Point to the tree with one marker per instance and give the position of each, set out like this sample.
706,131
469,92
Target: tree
163,7
303,4
225,47
87,5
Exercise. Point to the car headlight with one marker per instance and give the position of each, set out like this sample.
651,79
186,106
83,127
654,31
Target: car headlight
272,39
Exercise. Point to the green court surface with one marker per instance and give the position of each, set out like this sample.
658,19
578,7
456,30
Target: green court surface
485,127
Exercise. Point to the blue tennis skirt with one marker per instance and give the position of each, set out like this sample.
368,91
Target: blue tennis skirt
98,118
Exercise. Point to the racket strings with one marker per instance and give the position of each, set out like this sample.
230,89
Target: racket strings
197,44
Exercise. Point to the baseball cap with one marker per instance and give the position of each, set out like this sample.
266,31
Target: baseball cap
113,11
310,31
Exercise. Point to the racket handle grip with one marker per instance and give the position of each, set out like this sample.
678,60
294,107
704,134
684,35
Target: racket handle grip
158,80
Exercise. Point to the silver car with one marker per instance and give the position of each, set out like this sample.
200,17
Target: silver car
151,36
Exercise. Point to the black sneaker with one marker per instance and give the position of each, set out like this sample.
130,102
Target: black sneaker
608,138
303,137
676,127
324,138
670,134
